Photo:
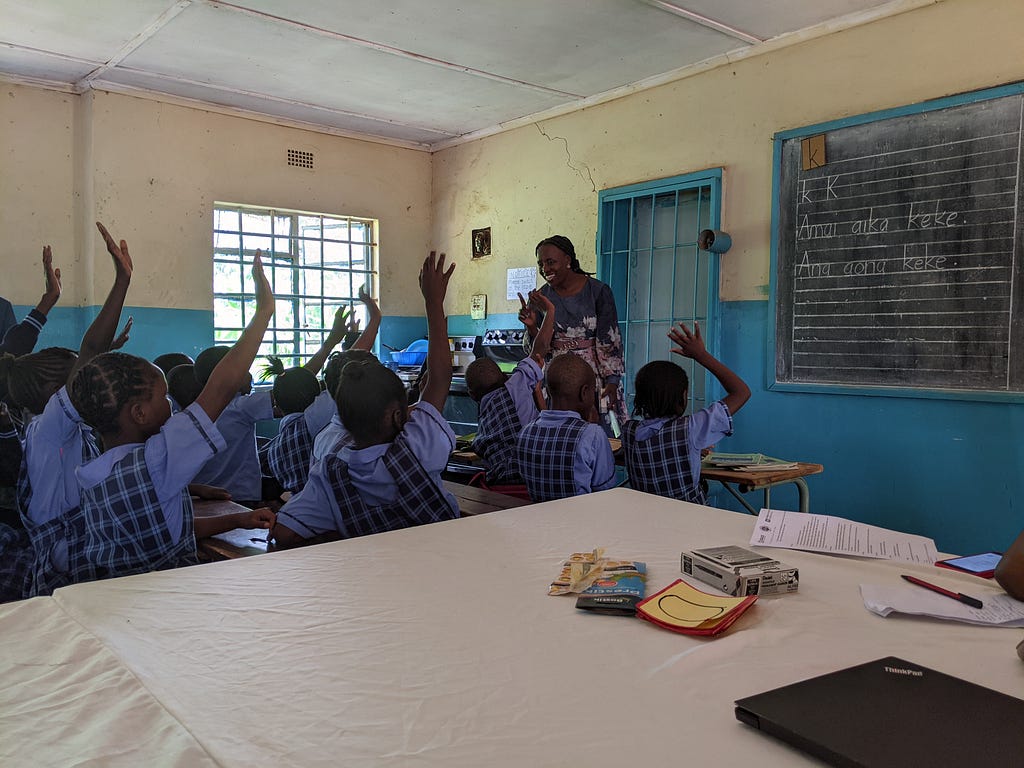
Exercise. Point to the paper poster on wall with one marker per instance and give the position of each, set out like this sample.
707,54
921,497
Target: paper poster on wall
520,280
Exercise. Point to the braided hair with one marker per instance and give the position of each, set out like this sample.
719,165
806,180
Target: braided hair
295,389
661,388
106,384
564,244
337,361
365,391
29,380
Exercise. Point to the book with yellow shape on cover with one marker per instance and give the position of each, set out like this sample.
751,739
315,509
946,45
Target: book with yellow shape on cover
686,609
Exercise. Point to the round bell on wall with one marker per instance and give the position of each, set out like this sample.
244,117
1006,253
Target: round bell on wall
714,240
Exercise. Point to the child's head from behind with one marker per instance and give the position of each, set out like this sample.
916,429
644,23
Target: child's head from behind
30,380
295,389
371,402
169,360
182,385
337,361
206,361
570,383
661,390
483,376
119,394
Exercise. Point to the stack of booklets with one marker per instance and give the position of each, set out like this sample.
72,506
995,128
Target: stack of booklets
748,462
685,609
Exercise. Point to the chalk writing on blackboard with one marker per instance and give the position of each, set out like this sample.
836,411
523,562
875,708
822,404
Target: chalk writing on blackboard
898,261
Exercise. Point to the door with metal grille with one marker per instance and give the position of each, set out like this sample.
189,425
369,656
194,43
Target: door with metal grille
648,254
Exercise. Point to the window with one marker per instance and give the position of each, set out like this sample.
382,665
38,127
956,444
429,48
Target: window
647,236
315,262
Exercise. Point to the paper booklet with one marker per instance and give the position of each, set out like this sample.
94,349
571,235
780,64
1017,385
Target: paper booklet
603,585
686,609
837,536
748,462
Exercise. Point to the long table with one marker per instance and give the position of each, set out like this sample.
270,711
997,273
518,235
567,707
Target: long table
438,646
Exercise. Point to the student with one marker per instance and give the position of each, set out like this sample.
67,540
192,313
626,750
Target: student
563,452
507,406
56,441
1010,571
390,476
170,360
333,436
182,386
308,410
662,451
135,499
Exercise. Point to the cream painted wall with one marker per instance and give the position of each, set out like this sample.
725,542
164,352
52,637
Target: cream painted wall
538,180
36,182
154,172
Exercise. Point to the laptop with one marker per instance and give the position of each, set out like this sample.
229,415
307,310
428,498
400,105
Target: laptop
892,712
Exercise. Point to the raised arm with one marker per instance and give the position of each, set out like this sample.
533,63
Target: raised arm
542,339
334,338
101,333
691,344
232,371
1010,571
20,339
434,286
373,317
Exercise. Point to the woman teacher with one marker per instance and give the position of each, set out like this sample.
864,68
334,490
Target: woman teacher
586,323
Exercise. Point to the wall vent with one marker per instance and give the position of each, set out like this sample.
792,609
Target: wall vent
300,159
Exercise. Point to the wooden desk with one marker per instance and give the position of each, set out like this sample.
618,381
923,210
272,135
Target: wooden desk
477,501
752,481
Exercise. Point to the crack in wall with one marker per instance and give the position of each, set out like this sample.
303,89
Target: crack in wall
568,158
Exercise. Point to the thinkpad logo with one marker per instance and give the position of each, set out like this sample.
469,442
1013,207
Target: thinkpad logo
899,671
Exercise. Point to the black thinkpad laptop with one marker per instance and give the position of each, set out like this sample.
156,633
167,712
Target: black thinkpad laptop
891,712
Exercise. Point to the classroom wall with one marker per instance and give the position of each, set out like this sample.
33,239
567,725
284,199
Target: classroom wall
152,173
949,469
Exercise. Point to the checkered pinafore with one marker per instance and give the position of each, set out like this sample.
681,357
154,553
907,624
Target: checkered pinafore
16,558
496,435
126,531
289,453
660,464
418,500
547,456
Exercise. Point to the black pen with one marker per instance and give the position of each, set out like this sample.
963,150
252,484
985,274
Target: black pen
965,599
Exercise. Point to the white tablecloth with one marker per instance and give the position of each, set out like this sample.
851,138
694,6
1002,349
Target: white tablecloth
438,646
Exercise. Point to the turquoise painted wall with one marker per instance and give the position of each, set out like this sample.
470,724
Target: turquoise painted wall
949,469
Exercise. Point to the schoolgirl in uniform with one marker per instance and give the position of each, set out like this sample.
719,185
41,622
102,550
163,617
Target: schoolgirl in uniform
134,497
563,452
662,449
390,476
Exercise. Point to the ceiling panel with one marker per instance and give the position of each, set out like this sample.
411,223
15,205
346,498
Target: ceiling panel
578,46
770,19
92,30
251,54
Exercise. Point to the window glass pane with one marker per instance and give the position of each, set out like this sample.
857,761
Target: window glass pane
281,280
336,254
255,223
252,243
225,337
686,225
686,283
360,233
284,315
704,220
309,226
283,225
227,313
665,219
662,267
643,214
226,241
336,284
640,285
312,315
309,253
225,218
282,247
227,278
336,229
360,256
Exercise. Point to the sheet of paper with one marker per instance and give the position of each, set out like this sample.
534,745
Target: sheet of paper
520,280
999,608
243,537
838,536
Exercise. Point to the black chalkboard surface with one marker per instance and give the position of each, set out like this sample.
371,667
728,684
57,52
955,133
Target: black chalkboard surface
897,260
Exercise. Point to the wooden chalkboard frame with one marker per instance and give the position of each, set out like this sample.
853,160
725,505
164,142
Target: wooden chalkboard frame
779,139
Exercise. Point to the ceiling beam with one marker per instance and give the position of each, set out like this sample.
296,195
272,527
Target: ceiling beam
704,21
125,50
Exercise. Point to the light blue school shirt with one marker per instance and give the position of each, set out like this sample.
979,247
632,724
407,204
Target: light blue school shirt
173,456
429,437
327,438
237,467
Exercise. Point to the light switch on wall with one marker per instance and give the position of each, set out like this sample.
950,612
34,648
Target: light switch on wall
478,306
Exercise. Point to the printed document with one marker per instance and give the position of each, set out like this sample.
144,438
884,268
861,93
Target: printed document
999,608
837,536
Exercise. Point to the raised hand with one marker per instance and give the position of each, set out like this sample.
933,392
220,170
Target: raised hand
527,316
122,338
371,306
52,276
340,326
689,344
264,295
119,252
434,278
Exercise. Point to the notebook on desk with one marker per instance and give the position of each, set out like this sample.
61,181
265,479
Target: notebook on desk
891,712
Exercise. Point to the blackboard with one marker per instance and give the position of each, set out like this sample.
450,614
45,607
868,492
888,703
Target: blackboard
897,260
